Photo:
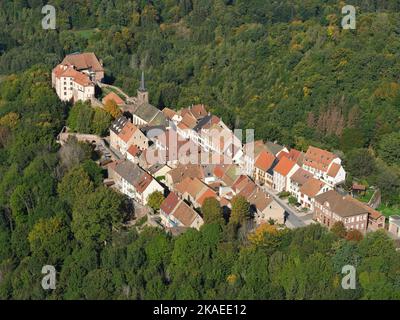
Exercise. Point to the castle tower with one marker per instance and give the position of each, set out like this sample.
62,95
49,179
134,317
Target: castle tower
142,94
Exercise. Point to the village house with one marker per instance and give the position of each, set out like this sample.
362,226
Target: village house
265,208
376,220
251,153
75,77
324,165
194,191
178,174
264,169
132,180
309,190
174,212
293,155
331,207
124,134
297,180
282,173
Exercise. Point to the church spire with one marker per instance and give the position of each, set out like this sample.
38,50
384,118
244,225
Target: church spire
142,86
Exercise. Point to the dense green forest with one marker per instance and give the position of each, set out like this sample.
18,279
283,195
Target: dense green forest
285,68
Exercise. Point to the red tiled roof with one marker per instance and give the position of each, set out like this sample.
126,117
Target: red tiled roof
198,111
144,182
127,131
133,150
169,204
283,154
113,97
295,155
334,169
318,158
70,72
284,166
264,161
207,194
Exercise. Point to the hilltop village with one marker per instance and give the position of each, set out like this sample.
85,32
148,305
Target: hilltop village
189,156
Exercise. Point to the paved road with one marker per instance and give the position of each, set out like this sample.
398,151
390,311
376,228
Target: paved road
292,220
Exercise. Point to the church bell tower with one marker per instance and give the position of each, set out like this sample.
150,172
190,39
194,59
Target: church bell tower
142,94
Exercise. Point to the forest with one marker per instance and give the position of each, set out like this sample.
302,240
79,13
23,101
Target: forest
285,68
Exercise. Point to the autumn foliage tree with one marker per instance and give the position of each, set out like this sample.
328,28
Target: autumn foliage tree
240,210
339,229
211,211
354,235
112,108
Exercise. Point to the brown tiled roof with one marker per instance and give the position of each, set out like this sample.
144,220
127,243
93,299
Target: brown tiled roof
169,113
81,61
192,186
198,111
248,189
301,176
188,121
312,187
127,131
208,193
334,169
318,158
296,156
374,214
113,97
260,199
185,214
143,182
340,205
284,166
169,203
240,182
183,171
264,161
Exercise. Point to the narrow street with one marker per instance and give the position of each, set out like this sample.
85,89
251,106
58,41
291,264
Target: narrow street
293,218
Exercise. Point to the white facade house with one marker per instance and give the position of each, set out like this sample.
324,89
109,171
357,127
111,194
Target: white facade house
325,166
133,181
282,173
71,84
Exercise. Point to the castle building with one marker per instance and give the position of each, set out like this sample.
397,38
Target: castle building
75,77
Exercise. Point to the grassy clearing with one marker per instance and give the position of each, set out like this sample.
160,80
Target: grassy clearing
388,211
86,33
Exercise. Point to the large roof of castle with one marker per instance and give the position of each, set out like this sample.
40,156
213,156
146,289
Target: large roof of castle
83,61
